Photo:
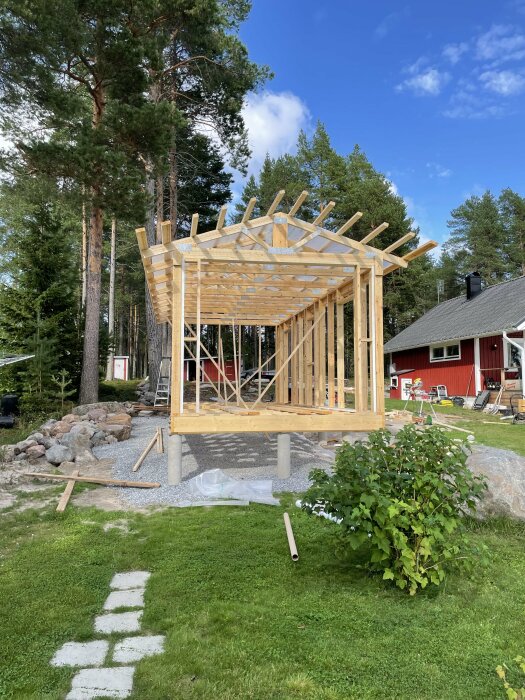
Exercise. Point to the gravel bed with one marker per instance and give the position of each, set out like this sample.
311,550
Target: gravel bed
240,455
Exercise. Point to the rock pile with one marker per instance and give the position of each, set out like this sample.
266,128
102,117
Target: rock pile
145,396
69,439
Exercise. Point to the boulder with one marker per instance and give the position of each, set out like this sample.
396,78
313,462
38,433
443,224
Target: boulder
505,474
110,440
36,451
20,457
118,419
148,398
60,427
99,438
97,414
24,445
120,432
83,428
70,418
80,446
106,406
46,427
59,453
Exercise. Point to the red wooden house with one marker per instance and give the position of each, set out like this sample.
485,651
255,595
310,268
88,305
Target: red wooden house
473,342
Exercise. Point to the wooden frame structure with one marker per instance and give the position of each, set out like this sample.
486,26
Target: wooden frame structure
276,271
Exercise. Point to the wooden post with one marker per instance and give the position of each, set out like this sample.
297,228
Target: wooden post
260,359
300,359
317,352
177,339
340,355
358,362
322,354
378,349
198,348
331,352
364,374
308,364
235,364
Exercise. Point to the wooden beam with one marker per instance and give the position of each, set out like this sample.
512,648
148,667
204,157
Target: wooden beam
248,211
165,230
374,232
275,203
399,242
142,238
222,217
323,214
330,336
96,480
412,255
194,224
344,228
64,498
154,440
298,203
340,356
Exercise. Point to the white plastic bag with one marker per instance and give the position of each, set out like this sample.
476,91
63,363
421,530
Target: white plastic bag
215,484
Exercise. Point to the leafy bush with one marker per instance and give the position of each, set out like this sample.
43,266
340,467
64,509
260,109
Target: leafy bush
402,503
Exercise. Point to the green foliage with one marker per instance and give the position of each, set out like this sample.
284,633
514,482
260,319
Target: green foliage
502,671
402,502
62,382
487,234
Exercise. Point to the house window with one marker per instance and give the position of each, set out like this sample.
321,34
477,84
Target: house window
394,382
512,353
442,353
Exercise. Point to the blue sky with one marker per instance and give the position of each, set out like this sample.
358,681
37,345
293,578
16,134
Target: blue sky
434,93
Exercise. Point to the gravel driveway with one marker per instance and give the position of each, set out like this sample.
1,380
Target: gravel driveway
240,455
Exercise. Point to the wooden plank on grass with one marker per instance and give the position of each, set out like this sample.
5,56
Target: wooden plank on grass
97,480
64,498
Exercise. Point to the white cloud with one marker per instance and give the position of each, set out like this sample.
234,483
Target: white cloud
466,103
504,82
429,81
437,170
273,121
501,43
454,52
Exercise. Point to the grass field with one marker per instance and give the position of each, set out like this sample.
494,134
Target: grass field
487,429
244,622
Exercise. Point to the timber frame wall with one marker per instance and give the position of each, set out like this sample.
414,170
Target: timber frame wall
276,271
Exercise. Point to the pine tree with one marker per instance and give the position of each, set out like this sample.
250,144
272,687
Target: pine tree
477,239
82,69
38,270
512,209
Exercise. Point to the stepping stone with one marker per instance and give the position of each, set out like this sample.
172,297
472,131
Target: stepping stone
137,648
78,654
130,579
102,683
132,598
118,622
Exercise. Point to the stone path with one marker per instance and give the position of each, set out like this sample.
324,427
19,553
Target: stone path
94,680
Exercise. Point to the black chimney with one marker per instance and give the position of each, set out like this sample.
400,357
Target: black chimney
473,281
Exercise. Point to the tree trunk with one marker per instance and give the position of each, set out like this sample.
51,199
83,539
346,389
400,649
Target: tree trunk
84,253
90,360
111,309
153,329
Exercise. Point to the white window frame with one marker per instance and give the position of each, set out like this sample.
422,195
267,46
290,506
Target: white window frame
445,346
507,349
394,382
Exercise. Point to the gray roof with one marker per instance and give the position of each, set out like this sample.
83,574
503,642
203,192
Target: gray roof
498,308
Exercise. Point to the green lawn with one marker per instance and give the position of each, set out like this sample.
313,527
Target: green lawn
242,621
487,429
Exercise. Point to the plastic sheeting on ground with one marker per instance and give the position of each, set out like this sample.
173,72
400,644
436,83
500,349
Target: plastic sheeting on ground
214,484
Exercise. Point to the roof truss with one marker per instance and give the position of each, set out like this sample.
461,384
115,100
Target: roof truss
264,270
